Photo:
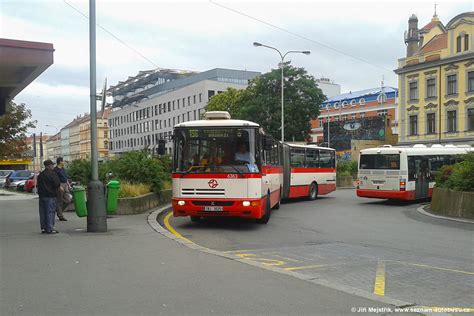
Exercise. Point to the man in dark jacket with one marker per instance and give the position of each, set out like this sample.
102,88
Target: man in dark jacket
61,203
48,185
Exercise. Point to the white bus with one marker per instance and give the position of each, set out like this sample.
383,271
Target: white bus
225,167
309,171
403,173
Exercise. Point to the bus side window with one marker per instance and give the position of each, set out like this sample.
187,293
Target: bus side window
411,168
312,158
326,159
297,157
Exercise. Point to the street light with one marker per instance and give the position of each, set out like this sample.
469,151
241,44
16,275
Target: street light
282,56
57,129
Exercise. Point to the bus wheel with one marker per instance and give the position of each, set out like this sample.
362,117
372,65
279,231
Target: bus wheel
313,191
268,211
195,218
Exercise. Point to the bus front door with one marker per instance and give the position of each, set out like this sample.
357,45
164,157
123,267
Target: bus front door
422,177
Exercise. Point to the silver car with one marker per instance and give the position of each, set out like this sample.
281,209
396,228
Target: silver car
3,175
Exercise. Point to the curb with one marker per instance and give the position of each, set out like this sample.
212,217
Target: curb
460,220
153,222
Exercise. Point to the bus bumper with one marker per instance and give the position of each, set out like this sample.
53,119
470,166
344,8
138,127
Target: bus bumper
386,194
227,208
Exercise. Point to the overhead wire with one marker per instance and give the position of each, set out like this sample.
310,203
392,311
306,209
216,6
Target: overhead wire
113,35
299,36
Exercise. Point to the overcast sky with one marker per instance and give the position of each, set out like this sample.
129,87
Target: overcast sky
201,35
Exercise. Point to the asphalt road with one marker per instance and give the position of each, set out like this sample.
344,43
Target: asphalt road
133,270
382,247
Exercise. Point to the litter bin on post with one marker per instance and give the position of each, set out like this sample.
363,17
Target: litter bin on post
79,198
113,188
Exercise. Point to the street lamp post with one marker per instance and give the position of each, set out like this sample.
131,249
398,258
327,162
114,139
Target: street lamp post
57,129
282,56
96,215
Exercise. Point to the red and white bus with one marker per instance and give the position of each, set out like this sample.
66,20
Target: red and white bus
309,171
403,173
225,167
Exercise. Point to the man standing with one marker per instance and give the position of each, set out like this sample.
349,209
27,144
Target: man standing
60,202
48,185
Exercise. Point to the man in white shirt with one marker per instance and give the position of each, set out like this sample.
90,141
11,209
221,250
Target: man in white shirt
244,155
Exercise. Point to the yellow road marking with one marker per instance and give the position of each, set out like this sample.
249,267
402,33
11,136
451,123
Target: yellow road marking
379,285
431,267
305,267
166,221
267,262
234,251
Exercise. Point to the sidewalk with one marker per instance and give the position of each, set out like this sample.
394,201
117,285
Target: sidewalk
132,270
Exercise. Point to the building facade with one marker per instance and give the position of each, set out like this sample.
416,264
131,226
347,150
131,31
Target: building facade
146,112
41,152
436,82
329,88
369,116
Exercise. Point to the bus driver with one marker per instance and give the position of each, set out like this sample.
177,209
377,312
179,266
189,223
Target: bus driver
243,155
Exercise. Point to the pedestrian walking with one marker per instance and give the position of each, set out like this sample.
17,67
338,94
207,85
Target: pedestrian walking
62,201
48,185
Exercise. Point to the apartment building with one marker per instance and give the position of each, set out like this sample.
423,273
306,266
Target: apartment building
147,110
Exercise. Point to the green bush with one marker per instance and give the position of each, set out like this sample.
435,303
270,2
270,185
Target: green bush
458,177
135,167
346,168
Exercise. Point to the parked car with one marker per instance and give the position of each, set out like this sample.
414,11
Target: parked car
20,185
30,184
12,179
3,175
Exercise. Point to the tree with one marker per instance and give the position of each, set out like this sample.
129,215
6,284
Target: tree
13,127
261,102
229,101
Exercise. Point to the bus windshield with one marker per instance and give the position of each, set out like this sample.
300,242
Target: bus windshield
216,150
380,161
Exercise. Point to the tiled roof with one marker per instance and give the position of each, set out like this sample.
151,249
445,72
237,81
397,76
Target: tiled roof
438,42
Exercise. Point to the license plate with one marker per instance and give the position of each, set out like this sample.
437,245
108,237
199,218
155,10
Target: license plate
213,208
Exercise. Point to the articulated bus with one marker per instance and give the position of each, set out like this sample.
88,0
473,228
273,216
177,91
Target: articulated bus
403,173
225,167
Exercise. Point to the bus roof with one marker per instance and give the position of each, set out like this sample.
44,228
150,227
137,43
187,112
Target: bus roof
309,146
217,123
419,150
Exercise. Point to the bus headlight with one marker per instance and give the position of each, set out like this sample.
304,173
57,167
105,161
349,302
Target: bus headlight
181,203
246,203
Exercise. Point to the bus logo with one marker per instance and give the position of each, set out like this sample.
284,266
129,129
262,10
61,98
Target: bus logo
213,183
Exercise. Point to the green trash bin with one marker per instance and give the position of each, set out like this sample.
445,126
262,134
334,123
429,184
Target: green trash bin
113,188
79,198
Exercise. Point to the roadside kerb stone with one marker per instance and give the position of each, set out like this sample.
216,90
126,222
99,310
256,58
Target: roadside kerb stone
422,210
153,222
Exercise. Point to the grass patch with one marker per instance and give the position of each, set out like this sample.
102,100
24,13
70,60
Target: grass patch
132,190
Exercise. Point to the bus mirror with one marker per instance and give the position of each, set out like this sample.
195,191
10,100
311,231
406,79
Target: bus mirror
161,147
268,142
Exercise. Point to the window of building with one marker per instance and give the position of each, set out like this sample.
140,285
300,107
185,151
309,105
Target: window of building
452,85
413,90
458,44
177,101
470,119
184,103
413,124
195,115
210,93
173,106
321,122
451,122
189,101
194,99
470,81
200,97
431,123
362,115
353,116
431,88
344,117
466,42
336,119
169,106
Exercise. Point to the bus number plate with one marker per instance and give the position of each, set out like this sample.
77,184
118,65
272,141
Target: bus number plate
213,208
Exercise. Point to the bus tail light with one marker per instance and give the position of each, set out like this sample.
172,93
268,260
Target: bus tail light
402,185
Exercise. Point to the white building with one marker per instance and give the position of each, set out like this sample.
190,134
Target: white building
146,107
329,88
